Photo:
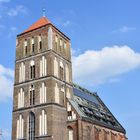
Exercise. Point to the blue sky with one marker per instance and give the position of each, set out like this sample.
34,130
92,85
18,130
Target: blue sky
104,37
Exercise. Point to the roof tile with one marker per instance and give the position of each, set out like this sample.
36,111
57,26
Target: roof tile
41,22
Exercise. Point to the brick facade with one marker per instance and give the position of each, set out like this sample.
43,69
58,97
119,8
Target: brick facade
57,115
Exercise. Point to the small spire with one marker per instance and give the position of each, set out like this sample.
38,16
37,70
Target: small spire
44,12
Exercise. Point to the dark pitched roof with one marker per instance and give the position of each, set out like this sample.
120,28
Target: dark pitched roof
91,108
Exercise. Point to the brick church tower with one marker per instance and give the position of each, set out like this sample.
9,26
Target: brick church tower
47,105
43,80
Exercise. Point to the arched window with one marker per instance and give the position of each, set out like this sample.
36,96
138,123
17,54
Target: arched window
60,43
22,72
43,93
25,47
32,69
65,48
55,67
68,95
96,133
31,126
32,95
56,42
20,127
61,71
67,73
21,98
43,66
70,133
56,93
40,42
50,38
33,45
105,134
112,136
43,123
88,133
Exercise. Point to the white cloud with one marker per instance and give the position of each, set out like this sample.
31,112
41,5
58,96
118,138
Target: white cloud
12,31
106,65
19,9
66,23
6,134
125,29
2,1
6,83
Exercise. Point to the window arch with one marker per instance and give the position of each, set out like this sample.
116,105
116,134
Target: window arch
20,127
32,95
32,69
21,98
43,93
43,66
22,72
70,133
31,126
43,123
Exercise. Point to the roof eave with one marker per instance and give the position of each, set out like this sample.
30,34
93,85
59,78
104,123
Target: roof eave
41,27
122,130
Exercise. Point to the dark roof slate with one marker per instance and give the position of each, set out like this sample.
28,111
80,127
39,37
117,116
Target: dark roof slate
91,108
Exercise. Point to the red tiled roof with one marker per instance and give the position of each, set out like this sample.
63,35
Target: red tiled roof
41,22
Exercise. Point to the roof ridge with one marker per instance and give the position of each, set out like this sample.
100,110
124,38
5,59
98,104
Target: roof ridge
84,89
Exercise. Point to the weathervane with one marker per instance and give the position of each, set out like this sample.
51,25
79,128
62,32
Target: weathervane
44,12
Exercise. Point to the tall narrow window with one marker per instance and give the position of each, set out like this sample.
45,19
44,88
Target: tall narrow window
25,47
68,93
65,48
61,71
32,95
50,38
21,98
55,67
56,42
43,93
20,127
105,135
96,132
56,93
33,45
43,123
60,45
70,133
67,73
22,72
31,126
40,42
32,70
43,66
112,136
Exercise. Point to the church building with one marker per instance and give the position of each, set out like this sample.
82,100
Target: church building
46,103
